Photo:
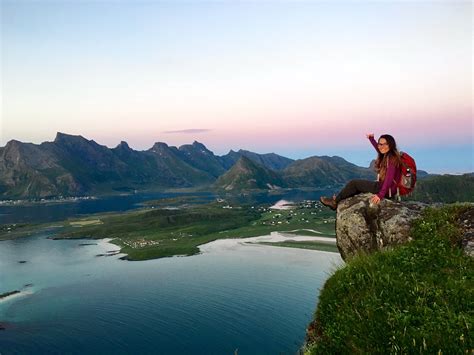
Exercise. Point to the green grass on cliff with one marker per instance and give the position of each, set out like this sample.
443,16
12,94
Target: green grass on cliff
418,298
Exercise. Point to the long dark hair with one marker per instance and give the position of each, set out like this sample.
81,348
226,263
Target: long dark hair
392,155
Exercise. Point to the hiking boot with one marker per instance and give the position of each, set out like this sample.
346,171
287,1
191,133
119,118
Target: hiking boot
330,202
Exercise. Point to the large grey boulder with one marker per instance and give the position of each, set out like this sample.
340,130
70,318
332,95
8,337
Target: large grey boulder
362,227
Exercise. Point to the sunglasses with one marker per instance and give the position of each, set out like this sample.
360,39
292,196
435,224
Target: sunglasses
382,144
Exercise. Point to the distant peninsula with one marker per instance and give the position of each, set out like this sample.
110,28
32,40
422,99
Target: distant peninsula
158,231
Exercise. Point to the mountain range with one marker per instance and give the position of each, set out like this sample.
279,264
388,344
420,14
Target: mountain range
72,165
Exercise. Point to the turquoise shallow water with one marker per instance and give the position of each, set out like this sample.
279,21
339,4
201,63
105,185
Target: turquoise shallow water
257,299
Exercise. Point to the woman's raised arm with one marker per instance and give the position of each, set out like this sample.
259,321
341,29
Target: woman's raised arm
370,136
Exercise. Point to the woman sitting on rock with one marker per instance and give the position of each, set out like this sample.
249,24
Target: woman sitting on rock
387,166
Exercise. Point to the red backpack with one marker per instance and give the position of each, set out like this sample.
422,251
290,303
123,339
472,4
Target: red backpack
408,175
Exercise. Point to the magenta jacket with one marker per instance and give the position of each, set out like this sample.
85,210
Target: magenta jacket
392,175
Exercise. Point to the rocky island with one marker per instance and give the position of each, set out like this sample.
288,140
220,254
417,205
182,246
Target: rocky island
8,294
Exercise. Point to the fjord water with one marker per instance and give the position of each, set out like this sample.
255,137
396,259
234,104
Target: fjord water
254,298
257,299
58,211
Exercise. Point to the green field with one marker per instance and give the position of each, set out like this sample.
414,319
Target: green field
178,226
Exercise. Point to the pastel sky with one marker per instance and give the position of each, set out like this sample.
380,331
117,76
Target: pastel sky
298,78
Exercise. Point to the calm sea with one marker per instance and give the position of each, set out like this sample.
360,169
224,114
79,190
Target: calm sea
58,211
250,298
257,299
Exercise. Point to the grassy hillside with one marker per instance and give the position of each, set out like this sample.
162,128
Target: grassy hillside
417,298
248,175
324,171
445,188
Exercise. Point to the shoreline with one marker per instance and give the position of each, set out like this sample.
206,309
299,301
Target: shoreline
273,237
16,294
227,243
46,201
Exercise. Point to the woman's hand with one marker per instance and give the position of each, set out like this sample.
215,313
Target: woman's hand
375,199
369,135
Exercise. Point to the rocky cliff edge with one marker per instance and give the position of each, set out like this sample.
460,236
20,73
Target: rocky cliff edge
362,227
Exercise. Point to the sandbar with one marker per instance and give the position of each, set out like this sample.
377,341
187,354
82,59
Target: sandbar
229,244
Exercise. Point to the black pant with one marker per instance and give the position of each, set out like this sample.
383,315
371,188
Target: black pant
355,187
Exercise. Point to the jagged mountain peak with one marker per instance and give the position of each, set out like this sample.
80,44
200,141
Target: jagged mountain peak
199,145
248,152
245,163
247,174
195,146
13,143
123,145
243,151
80,145
14,148
159,146
198,156
270,160
164,149
63,137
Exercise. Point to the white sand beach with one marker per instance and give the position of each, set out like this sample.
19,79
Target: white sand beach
305,229
283,205
229,244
